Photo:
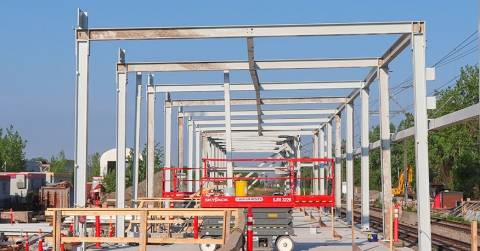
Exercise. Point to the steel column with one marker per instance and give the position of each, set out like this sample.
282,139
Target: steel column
349,154
191,138
82,53
421,140
168,141
338,165
329,144
228,127
322,155
197,158
365,145
385,146
81,122
136,140
298,154
150,138
121,147
315,165
181,133
205,152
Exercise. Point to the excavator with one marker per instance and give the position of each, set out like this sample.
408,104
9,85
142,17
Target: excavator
399,191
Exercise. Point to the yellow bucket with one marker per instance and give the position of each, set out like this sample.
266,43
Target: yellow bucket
241,187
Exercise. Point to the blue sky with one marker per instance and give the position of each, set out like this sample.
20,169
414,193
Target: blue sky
37,60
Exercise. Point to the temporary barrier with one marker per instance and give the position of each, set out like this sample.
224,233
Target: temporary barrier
395,223
249,230
97,224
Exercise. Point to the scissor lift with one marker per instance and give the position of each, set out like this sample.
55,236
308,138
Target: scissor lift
272,213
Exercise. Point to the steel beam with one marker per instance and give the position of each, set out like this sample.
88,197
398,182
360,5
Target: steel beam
285,133
190,155
228,127
198,162
349,165
136,139
205,147
264,121
180,139
244,65
248,31
365,165
395,50
329,144
313,112
322,155
421,140
265,101
81,122
264,128
255,81
454,118
150,139
82,53
121,144
168,140
338,165
386,58
263,86
298,154
249,139
385,155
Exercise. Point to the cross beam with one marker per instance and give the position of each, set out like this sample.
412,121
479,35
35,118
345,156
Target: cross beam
244,65
256,83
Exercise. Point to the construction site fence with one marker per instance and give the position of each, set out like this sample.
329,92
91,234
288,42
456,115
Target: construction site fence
144,218
468,210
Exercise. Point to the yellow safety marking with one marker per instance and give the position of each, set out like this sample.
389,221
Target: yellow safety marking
272,215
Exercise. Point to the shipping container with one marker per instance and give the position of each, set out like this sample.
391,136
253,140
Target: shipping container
54,197
449,199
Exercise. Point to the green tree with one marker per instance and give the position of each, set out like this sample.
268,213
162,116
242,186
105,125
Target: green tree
12,155
94,165
109,180
453,151
59,164
375,165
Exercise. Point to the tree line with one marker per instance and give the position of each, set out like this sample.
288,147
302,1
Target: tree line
454,152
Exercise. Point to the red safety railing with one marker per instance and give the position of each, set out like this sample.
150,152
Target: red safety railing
178,182
217,197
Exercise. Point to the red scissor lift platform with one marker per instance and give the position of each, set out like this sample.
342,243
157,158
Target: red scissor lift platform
272,226
288,199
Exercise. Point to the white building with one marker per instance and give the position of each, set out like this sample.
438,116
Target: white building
108,160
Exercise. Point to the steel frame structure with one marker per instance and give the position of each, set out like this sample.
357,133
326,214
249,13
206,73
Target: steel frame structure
411,33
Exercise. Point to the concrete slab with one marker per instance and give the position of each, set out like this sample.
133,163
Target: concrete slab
305,238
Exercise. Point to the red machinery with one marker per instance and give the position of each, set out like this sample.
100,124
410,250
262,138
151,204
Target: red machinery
218,199
178,181
289,199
